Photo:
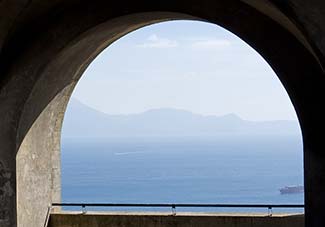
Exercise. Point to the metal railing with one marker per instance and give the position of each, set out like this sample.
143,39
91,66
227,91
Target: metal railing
174,205
47,218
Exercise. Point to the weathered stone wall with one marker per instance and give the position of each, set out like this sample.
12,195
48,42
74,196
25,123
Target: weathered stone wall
7,192
180,220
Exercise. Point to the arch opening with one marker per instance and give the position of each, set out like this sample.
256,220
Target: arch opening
137,89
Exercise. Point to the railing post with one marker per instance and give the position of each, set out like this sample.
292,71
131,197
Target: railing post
84,211
270,211
173,209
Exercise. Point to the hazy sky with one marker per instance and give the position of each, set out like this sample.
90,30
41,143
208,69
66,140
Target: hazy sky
188,65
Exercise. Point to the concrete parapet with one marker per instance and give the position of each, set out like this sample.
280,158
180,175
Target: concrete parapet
77,219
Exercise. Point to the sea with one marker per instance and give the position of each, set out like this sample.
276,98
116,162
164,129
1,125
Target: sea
226,170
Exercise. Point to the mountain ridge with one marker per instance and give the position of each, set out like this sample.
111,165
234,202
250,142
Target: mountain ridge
83,121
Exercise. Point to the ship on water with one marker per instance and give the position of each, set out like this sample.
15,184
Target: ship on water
292,189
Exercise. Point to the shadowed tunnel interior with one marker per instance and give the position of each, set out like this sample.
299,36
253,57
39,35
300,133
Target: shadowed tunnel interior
45,48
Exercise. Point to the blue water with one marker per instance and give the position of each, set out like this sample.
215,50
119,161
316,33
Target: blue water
182,170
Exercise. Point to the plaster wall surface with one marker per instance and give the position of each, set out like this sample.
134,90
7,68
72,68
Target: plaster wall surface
38,166
167,220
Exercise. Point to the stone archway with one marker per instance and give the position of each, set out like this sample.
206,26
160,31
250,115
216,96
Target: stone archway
45,64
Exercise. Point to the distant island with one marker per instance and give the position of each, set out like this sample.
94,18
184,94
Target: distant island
83,121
